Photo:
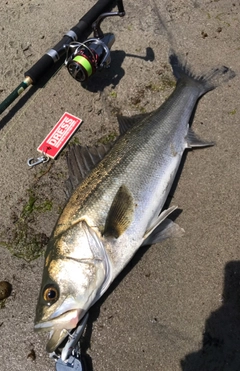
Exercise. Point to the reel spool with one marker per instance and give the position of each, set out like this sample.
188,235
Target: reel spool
84,59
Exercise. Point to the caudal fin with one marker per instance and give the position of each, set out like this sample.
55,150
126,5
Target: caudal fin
205,82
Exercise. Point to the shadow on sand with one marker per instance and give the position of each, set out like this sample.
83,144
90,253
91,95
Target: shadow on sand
113,75
97,83
221,338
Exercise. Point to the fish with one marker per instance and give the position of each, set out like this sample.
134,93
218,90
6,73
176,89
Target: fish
117,203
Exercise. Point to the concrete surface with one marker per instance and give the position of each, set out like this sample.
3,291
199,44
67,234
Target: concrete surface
176,306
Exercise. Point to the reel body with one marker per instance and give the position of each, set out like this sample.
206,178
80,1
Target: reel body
84,59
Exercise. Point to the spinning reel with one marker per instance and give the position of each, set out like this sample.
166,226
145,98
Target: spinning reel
84,59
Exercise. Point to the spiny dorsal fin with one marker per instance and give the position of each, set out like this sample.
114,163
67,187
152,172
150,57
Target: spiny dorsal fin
120,214
81,161
125,122
193,141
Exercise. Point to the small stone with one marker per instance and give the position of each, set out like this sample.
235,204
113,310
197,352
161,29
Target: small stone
5,290
32,355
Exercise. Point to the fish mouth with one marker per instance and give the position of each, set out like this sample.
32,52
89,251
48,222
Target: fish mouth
59,327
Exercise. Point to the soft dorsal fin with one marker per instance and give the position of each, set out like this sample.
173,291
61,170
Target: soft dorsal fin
125,122
81,161
120,214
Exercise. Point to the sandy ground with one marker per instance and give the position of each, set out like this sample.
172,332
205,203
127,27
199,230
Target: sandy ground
176,306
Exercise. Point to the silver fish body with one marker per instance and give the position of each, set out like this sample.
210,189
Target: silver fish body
118,206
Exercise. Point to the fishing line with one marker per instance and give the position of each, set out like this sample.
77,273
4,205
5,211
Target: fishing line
170,38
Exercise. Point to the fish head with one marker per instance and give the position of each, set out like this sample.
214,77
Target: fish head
74,273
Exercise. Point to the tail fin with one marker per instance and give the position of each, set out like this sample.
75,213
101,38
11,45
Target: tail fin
204,83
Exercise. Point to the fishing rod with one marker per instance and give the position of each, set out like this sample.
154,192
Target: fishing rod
83,57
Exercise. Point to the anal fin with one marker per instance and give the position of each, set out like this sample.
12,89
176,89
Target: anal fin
193,141
167,229
162,228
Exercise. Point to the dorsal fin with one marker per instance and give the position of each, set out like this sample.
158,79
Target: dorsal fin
81,161
125,122
120,214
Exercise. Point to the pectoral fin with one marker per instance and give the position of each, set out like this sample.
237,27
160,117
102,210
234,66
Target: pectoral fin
162,228
120,214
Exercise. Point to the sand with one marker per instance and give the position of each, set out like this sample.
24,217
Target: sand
176,306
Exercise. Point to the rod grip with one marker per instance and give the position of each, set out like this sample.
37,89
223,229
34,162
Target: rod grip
39,68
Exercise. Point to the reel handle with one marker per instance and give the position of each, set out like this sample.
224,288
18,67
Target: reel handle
96,25
120,8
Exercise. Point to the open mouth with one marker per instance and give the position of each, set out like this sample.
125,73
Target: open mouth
67,320
59,328
56,338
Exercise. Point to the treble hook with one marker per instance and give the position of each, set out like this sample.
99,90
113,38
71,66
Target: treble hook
32,162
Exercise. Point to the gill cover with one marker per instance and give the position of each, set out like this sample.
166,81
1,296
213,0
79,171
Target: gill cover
75,274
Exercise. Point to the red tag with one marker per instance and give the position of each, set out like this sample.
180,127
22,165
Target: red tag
59,135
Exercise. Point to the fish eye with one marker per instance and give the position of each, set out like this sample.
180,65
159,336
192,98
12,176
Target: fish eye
50,294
